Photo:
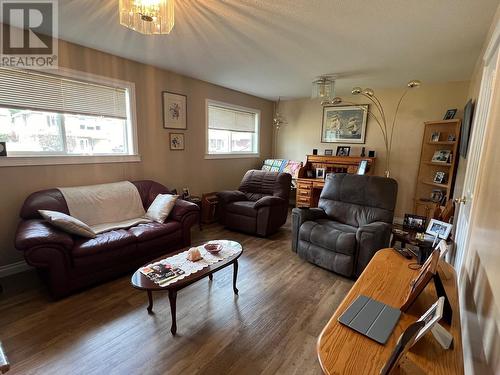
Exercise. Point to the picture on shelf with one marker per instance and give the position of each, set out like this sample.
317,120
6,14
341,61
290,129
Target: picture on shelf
438,196
344,124
430,318
185,193
439,229
452,138
435,136
450,114
343,150
363,165
329,152
414,222
440,177
441,156
320,172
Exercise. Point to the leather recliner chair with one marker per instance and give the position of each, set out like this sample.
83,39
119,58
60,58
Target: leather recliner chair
259,206
353,220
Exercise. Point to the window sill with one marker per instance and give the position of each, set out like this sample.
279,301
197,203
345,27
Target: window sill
232,156
20,161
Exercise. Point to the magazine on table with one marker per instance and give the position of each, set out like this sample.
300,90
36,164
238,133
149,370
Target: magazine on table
161,273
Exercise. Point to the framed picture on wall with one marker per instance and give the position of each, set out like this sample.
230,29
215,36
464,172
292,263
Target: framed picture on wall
344,124
176,141
174,110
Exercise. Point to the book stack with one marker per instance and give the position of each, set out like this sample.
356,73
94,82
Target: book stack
161,273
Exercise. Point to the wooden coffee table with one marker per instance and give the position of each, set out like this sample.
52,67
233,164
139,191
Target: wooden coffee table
140,281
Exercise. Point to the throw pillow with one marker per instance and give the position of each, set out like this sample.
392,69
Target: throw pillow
161,207
67,223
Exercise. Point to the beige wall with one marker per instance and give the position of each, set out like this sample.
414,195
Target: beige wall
175,169
481,286
429,102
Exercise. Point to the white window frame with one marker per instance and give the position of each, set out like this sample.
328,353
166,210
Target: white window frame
232,155
132,139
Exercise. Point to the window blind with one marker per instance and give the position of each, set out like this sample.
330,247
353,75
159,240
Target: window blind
230,119
46,92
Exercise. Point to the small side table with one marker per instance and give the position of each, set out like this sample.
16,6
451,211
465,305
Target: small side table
406,236
197,201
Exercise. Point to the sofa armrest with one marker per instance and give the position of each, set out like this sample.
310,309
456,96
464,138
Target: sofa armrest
183,208
269,201
33,233
226,197
371,238
299,217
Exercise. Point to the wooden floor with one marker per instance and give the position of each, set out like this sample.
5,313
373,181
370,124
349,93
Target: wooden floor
270,328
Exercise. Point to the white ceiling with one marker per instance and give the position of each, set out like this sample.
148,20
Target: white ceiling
273,48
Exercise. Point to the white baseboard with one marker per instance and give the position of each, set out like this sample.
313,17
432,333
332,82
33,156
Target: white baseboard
11,269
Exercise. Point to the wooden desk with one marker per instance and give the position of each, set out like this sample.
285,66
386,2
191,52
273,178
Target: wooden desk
387,279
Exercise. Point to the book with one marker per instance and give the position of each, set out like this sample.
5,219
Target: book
161,273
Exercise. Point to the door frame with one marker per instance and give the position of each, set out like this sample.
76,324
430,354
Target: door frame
480,127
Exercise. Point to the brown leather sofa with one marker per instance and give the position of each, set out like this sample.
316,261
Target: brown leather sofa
68,263
259,206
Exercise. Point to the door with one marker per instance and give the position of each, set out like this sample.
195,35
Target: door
473,170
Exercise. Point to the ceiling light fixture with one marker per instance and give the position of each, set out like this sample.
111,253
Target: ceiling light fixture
324,88
147,16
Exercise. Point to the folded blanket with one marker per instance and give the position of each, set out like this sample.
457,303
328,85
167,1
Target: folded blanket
107,206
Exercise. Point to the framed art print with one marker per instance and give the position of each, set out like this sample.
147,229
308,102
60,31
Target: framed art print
174,110
344,124
176,141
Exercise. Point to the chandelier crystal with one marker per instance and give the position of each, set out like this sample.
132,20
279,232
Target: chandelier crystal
147,16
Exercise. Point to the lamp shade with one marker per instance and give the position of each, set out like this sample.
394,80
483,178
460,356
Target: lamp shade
147,16
323,88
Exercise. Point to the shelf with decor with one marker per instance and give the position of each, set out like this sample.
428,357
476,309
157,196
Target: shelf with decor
438,165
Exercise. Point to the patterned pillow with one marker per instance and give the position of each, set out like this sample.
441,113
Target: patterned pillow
292,167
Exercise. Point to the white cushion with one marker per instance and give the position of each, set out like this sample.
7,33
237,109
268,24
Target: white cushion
161,207
67,223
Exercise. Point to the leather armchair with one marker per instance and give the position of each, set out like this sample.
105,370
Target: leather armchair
259,206
352,222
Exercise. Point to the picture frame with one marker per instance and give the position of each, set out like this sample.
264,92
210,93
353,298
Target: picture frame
440,177
437,196
439,229
328,152
427,272
174,107
414,222
343,150
363,167
452,137
435,136
441,156
450,114
344,124
185,193
320,173
176,141
430,318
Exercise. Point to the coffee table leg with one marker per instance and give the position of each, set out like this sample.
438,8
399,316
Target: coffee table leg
150,299
235,275
211,277
172,296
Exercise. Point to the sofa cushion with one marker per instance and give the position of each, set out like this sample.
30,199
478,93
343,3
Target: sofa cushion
245,208
330,235
67,223
149,231
103,242
161,207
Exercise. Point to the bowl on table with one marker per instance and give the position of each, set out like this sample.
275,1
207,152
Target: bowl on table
213,248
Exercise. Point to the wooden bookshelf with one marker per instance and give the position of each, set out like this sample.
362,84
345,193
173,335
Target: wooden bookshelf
428,168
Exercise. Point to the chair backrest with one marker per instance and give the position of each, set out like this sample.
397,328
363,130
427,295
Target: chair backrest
257,184
358,200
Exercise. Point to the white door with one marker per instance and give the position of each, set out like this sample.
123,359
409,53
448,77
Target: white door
473,169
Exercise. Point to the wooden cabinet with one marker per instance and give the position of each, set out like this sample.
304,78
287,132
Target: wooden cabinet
309,188
439,136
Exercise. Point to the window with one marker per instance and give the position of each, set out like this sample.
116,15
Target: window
233,131
42,114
